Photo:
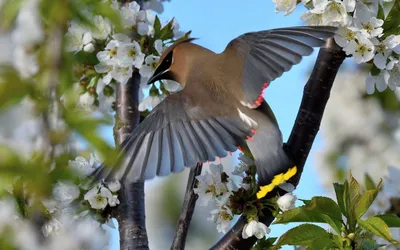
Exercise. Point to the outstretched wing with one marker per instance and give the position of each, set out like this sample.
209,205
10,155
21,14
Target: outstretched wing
268,54
178,133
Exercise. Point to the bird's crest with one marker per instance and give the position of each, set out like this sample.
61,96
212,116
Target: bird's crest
173,46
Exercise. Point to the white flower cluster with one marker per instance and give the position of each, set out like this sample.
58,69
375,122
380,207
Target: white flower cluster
119,56
67,231
68,196
100,196
19,45
218,188
360,34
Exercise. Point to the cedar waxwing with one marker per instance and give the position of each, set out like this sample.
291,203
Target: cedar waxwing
220,108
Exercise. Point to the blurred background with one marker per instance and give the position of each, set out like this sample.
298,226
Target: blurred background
359,132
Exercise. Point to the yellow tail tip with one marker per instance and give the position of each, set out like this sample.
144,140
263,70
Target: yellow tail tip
276,181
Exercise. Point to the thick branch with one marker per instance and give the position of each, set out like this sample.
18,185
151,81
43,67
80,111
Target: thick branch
315,96
189,204
131,212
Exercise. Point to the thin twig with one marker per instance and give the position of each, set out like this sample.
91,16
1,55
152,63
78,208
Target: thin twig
315,96
189,204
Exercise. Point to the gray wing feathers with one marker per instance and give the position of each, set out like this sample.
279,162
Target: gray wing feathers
170,139
268,54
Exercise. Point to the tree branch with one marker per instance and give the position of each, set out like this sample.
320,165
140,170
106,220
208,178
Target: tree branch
189,204
315,96
130,214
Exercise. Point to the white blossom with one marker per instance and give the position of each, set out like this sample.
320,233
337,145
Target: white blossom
86,101
155,5
83,166
98,197
145,29
362,49
393,43
108,56
393,68
130,54
149,102
89,48
150,64
286,202
113,201
334,11
159,46
222,217
28,29
210,185
114,186
25,62
103,28
344,35
380,81
121,74
77,37
366,9
286,6
129,13
370,27
51,227
313,17
65,192
255,228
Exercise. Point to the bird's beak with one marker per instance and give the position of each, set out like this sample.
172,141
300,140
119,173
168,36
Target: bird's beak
159,74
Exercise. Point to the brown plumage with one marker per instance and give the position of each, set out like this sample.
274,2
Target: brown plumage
220,107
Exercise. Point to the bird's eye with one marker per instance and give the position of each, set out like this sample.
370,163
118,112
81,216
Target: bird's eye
168,60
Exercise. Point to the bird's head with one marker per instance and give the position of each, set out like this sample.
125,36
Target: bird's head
171,65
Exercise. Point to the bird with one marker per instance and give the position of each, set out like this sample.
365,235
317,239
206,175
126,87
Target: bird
219,109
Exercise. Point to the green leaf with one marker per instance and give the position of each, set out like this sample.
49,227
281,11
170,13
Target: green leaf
392,21
303,235
339,190
355,191
157,27
12,88
349,208
375,71
369,183
265,244
322,244
378,227
368,244
381,12
391,220
8,13
366,200
319,209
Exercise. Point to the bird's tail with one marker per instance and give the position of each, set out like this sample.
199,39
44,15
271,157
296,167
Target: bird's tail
274,167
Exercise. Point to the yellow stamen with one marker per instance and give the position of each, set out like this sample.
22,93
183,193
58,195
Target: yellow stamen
276,181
